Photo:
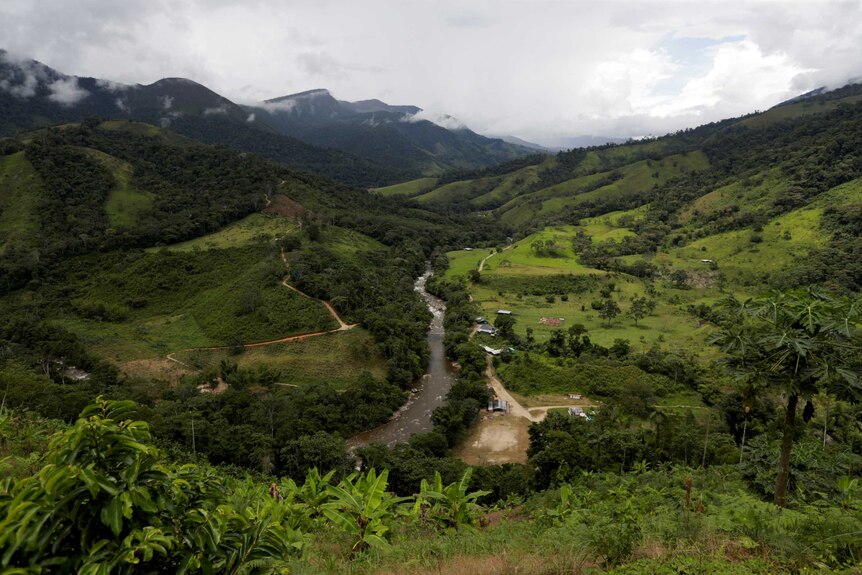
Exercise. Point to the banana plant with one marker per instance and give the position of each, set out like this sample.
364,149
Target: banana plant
450,507
314,493
360,505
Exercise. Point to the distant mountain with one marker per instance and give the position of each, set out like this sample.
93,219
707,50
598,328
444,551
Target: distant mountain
571,142
33,95
532,145
395,136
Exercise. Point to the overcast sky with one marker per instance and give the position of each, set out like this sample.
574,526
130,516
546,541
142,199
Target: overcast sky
540,70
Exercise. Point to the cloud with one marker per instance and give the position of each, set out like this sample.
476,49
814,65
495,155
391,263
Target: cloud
540,69
167,102
286,106
112,86
217,111
66,91
442,120
21,77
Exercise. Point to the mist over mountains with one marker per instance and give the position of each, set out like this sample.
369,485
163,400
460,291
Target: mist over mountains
365,143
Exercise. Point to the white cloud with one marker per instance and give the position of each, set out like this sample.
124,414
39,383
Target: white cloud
220,110
167,102
538,68
438,118
741,75
111,86
66,91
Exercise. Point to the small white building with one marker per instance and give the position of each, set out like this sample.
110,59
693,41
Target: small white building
578,412
504,312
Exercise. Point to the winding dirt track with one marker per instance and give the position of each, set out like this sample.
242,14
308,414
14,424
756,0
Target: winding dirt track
342,325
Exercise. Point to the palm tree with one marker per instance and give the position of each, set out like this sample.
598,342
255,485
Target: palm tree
795,343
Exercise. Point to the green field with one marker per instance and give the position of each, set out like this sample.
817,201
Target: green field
510,280
20,192
408,189
627,180
125,203
462,261
337,359
520,259
782,241
252,229
259,229
139,306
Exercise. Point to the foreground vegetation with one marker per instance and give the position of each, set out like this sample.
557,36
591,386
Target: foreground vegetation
104,499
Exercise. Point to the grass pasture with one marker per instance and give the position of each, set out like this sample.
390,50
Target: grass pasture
337,359
140,305
20,187
252,229
462,261
745,260
408,189
530,284
627,180
125,203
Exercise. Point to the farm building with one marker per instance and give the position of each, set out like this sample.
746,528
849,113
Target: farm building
491,350
487,328
504,312
481,320
499,405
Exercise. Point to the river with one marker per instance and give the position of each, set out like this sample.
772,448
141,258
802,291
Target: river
415,415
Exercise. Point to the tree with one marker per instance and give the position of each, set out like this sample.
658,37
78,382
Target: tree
321,450
679,278
505,324
610,309
794,343
639,309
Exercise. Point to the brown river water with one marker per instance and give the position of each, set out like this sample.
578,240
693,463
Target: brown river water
415,415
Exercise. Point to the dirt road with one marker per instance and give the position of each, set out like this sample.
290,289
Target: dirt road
342,325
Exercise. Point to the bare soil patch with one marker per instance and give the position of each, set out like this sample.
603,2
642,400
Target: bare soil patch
155,368
281,205
496,439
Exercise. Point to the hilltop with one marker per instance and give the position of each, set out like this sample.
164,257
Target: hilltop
366,143
389,135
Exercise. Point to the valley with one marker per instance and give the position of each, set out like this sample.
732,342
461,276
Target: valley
618,359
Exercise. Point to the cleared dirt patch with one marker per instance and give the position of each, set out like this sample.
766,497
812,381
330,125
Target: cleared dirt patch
283,206
496,439
155,368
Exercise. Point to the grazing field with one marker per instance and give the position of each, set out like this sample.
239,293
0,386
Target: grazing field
522,259
408,189
462,261
125,203
337,359
20,193
252,229
628,180
741,254
143,304
547,293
